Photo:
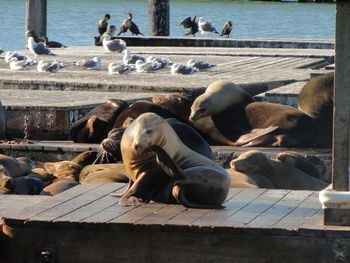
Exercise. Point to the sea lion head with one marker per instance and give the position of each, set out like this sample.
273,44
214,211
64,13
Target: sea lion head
148,129
251,162
64,169
111,145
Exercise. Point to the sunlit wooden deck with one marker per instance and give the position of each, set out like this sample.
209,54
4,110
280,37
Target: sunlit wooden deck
86,224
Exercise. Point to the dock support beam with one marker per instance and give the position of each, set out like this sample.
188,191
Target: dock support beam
341,123
36,16
158,17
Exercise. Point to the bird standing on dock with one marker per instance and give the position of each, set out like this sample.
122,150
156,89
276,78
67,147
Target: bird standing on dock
177,69
38,48
227,28
52,44
112,30
206,27
102,24
129,59
191,24
130,25
115,45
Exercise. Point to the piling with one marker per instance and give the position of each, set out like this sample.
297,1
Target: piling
158,17
36,16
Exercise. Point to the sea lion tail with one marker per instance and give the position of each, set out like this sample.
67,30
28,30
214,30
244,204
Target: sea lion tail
166,162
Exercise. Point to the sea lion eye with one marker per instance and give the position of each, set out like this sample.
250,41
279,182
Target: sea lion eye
148,131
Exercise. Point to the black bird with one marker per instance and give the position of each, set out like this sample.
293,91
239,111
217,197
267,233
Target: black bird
128,24
102,24
52,44
226,30
191,24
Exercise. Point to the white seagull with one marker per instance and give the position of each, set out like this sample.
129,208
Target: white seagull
206,27
17,64
164,62
145,67
14,54
94,64
115,45
177,69
116,68
129,59
38,48
199,64
47,66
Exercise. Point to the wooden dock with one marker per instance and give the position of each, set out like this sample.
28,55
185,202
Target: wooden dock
86,224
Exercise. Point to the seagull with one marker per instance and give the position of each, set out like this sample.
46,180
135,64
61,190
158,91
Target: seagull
93,64
14,54
112,30
164,62
102,24
192,24
206,27
38,48
115,45
52,44
227,28
31,33
131,59
199,64
128,24
116,68
17,64
46,66
181,69
145,67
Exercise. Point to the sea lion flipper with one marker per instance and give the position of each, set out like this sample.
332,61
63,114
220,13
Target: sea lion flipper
166,163
253,135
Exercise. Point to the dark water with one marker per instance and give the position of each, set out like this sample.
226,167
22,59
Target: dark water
74,22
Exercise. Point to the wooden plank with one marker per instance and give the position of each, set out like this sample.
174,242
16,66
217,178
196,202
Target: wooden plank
138,213
93,207
10,205
298,216
313,226
108,214
280,209
71,193
237,202
75,203
254,208
163,215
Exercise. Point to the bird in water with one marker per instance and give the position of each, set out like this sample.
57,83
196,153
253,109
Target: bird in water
130,25
206,27
102,24
227,28
191,24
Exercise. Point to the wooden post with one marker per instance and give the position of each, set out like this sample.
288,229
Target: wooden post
36,18
341,124
158,17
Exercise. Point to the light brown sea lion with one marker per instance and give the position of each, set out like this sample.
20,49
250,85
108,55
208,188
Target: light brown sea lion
281,175
2,123
59,185
168,171
12,165
113,173
85,158
316,100
6,182
250,123
96,124
64,169
42,174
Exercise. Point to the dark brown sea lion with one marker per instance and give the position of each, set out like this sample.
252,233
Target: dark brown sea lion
189,178
59,185
249,123
2,123
94,127
316,100
282,176
139,107
85,158
13,167
27,163
113,173
27,185
42,174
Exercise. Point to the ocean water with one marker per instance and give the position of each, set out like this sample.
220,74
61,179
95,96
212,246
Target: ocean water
74,22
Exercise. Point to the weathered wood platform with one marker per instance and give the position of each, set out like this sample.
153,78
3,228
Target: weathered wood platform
86,224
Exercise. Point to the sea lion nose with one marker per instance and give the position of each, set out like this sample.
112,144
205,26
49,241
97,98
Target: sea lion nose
136,146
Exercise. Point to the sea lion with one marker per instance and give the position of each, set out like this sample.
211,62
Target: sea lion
249,123
316,100
42,174
27,163
281,175
113,173
111,145
85,158
59,185
2,123
27,185
12,165
64,169
6,182
161,168
139,107
96,124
